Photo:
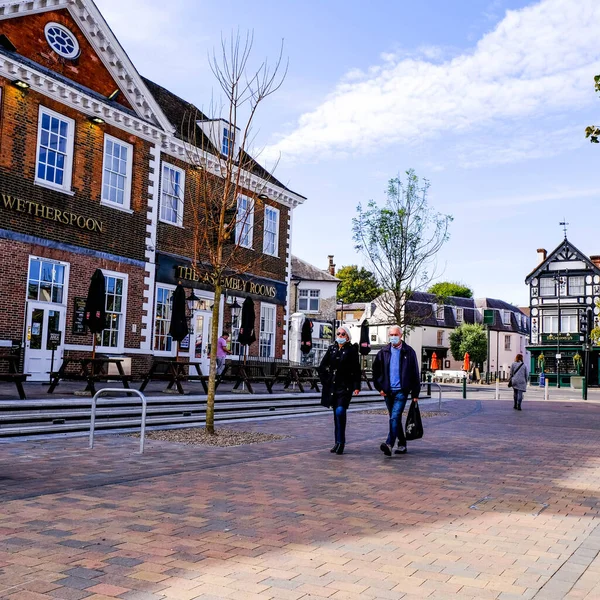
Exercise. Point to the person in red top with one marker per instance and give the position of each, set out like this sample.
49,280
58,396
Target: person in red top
222,352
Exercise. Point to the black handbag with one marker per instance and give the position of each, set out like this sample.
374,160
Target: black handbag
510,378
414,425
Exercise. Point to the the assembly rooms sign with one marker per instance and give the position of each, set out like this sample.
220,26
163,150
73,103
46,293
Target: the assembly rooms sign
173,270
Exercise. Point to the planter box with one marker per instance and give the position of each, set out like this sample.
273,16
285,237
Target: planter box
577,382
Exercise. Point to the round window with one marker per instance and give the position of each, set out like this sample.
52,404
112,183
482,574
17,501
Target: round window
61,40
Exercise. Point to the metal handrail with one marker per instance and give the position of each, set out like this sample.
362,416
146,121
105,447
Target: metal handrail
429,383
119,390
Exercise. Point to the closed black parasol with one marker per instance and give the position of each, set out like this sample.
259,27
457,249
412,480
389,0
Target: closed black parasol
179,325
364,347
95,306
247,335
306,336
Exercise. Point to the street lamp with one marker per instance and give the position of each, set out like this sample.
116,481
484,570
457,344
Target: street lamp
558,280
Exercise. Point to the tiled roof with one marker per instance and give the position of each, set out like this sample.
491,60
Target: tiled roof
306,272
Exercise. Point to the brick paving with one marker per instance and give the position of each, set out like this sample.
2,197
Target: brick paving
492,503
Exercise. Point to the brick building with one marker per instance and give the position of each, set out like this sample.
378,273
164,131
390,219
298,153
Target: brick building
94,173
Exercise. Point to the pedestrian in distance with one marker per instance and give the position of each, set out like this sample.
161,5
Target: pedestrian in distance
396,378
222,352
519,376
340,377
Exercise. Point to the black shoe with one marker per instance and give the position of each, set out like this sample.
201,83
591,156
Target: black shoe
385,449
334,449
518,408
401,450
340,449
515,407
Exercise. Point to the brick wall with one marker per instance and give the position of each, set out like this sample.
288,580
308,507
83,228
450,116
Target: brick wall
18,146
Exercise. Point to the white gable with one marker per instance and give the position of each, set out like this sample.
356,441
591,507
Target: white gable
106,46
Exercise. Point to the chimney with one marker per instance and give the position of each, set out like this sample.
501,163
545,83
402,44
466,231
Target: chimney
542,254
331,267
596,259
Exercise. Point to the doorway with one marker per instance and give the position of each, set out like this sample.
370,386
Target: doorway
43,319
202,339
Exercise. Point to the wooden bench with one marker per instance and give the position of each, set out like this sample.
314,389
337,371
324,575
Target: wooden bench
247,374
18,379
174,371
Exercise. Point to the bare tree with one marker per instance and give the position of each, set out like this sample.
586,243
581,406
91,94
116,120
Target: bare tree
225,173
400,242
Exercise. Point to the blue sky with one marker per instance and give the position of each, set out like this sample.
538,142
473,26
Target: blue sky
486,99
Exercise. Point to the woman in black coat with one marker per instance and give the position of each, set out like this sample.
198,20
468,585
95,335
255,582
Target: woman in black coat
340,376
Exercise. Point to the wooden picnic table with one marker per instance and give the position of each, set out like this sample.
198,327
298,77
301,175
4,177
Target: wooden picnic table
174,371
298,374
367,377
246,374
14,375
90,370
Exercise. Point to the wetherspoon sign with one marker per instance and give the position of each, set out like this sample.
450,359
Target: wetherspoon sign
50,213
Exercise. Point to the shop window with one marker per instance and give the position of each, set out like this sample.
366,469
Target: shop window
271,232
266,348
162,340
55,150
244,228
308,300
116,173
112,336
46,281
171,198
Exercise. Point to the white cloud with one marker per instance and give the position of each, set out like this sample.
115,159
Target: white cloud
537,61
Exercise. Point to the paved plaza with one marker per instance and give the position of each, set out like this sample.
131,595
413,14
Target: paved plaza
491,503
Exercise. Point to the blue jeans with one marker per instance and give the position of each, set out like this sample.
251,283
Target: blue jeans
339,418
395,404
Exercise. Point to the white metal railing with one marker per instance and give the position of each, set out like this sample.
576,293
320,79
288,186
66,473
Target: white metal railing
119,390
428,383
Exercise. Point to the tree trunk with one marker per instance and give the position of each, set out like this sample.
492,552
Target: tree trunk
212,370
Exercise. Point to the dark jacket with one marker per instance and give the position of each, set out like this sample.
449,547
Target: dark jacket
339,372
409,371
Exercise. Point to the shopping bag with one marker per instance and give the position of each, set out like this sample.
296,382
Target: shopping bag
414,425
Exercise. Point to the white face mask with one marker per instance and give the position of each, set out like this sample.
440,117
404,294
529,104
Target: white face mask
340,340
394,340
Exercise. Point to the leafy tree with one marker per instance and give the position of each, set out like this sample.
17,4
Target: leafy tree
444,289
469,338
357,284
400,241
592,131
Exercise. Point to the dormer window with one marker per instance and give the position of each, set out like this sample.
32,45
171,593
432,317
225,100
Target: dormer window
228,140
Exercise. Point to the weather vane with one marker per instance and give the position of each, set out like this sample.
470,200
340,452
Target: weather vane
564,225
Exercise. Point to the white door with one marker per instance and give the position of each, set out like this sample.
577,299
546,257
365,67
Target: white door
42,320
201,348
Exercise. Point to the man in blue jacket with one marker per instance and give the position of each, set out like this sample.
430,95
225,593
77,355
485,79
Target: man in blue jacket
396,377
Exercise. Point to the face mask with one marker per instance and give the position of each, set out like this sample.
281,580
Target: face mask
340,340
394,340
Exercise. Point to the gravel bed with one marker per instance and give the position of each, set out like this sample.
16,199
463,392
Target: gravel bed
221,437
425,414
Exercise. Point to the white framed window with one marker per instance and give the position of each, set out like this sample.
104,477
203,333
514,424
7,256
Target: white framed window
116,172
236,321
46,281
271,231
547,286
113,336
460,315
576,286
506,317
507,342
309,300
439,313
228,140
54,163
266,348
171,194
569,321
162,322
550,322
244,228
440,338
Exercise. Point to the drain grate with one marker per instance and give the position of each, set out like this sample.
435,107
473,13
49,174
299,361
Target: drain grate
509,505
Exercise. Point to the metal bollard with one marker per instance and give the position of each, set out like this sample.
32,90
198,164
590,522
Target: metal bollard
546,390
497,389
464,390
429,384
